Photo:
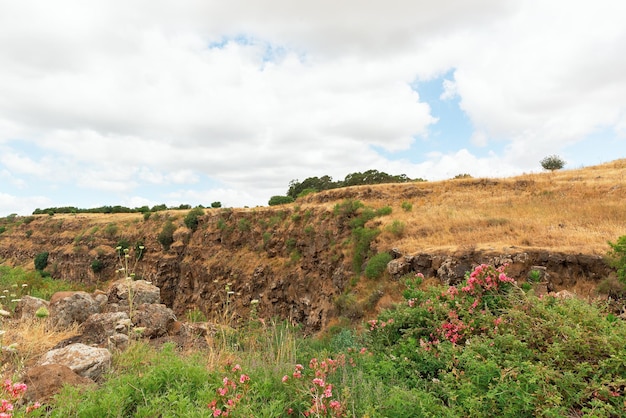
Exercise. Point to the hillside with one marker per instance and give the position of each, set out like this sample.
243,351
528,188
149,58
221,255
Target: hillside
299,260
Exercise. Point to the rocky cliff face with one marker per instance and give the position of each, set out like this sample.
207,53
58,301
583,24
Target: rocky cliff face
294,261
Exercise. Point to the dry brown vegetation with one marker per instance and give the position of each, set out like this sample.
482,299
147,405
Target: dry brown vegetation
571,211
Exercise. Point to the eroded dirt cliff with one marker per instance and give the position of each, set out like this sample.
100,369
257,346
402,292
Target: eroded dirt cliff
297,262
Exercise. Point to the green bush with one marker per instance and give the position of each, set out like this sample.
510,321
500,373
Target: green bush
166,236
348,208
617,257
396,228
552,163
377,265
485,348
407,206
111,230
41,261
2,229
192,218
244,225
280,200
97,265
362,238
216,204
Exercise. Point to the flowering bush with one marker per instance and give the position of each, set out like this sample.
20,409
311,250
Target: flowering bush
314,387
232,391
11,393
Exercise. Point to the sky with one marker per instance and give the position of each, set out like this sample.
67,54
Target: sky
144,102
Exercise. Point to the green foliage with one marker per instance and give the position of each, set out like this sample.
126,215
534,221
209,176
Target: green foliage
484,348
2,229
216,205
306,192
146,215
552,163
384,211
407,206
41,261
347,306
36,284
290,243
192,218
362,238
166,236
348,208
462,176
617,257
377,265
396,228
97,265
244,225
280,200
111,230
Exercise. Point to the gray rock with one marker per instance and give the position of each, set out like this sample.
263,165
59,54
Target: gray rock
138,291
28,306
86,361
155,319
67,308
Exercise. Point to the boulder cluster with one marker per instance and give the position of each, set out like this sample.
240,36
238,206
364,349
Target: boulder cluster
107,321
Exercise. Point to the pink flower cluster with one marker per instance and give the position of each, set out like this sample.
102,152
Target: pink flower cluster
485,278
453,330
230,394
375,323
320,391
14,392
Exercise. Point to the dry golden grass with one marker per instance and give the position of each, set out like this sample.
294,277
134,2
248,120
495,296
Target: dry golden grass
572,211
32,337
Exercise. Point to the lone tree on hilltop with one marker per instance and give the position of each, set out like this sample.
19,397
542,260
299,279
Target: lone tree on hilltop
552,163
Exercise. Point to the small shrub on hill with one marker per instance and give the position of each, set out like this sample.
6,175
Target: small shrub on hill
97,265
617,257
166,236
552,163
280,200
377,265
41,261
192,218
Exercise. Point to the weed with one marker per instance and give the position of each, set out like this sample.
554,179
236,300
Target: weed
377,265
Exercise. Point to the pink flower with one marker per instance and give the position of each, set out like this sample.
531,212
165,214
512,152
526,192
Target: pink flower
319,382
217,412
222,391
363,350
411,303
285,378
328,391
237,368
336,405
244,378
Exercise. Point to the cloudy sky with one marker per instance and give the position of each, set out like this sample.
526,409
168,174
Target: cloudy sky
156,101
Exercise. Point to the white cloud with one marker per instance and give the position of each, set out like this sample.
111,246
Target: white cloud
122,95
449,90
21,205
